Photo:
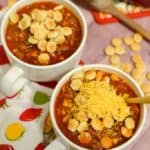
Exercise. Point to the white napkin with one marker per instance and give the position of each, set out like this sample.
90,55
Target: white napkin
13,108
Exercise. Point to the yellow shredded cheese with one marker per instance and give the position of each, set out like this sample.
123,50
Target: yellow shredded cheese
102,101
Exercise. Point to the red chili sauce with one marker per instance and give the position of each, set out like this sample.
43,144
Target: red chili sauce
17,40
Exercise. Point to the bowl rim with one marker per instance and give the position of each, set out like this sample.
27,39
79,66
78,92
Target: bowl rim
16,6
96,66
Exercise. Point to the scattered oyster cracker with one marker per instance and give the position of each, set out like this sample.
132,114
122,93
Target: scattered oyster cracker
138,71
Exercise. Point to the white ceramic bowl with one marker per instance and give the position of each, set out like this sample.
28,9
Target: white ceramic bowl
50,72
106,68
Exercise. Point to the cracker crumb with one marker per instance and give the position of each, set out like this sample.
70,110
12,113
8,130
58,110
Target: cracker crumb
109,50
137,38
115,59
135,47
116,42
128,40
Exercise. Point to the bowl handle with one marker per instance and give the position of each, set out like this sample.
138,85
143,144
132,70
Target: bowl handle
56,144
12,81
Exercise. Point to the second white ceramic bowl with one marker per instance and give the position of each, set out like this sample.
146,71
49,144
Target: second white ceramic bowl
105,68
50,72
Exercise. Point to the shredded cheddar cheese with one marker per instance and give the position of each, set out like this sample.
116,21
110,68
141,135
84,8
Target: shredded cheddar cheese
101,101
